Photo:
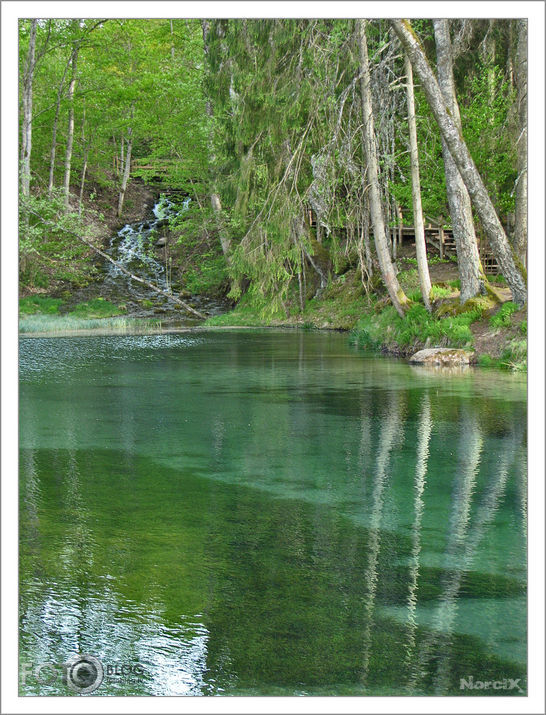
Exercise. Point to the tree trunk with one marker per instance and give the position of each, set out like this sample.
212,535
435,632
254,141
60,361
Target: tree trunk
420,246
84,171
26,143
461,156
85,157
70,134
126,170
54,132
397,295
520,234
470,269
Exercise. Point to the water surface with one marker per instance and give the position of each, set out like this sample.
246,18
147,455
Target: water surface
269,513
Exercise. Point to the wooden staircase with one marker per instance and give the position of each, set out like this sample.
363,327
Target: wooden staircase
489,262
437,236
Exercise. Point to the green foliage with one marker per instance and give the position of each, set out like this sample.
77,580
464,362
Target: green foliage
409,282
417,327
265,113
97,308
50,251
523,327
485,110
208,276
499,278
513,357
438,291
502,318
251,310
39,304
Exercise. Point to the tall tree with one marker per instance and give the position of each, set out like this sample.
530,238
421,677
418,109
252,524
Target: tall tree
459,151
127,167
420,246
520,234
28,77
70,132
397,295
460,208
52,156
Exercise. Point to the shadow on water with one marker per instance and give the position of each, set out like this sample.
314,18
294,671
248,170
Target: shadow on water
234,545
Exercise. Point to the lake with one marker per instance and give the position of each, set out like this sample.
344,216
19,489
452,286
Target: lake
269,512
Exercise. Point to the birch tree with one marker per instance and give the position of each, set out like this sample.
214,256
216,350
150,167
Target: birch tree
127,166
26,144
397,295
52,156
460,208
420,246
464,162
70,133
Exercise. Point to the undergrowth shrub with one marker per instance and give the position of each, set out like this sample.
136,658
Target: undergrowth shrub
39,304
417,326
502,318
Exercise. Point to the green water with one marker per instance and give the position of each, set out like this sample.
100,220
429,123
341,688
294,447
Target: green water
269,513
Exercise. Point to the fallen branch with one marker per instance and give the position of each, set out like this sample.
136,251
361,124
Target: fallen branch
155,288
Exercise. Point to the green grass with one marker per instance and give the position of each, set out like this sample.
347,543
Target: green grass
248,312
438,291
417,327
497,279
97,308
39,304
69,323
514,357
502,319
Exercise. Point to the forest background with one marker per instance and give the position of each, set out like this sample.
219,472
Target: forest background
213,106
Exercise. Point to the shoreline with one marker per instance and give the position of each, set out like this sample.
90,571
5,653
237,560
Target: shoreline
388,351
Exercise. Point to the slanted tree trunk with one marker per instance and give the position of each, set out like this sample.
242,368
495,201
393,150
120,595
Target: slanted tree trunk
70,133
520,234
54,131
420,246
26,143
457,147
397,295
470,269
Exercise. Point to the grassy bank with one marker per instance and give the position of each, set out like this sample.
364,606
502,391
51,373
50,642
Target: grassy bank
496,331
57,324
40,314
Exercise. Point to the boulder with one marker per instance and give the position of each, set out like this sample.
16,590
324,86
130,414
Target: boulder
162,241
442,356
